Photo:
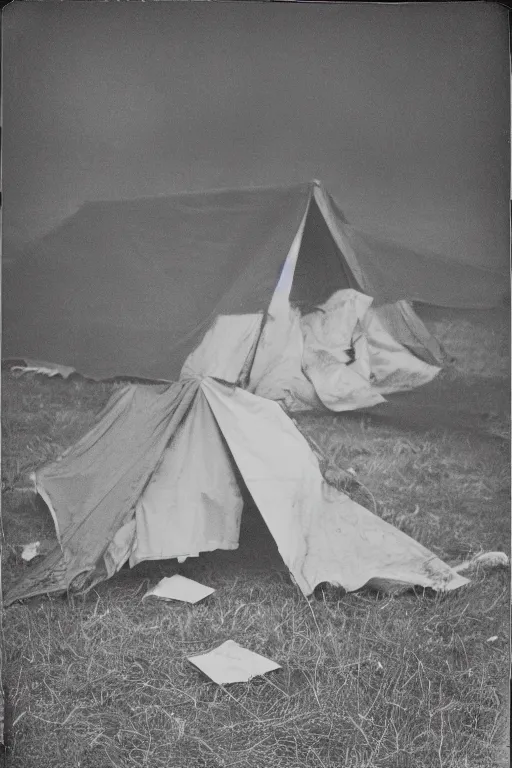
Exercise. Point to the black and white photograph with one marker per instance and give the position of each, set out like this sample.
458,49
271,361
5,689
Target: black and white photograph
255,388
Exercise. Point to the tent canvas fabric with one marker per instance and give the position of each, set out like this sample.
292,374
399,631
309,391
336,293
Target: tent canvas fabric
129,288
157,475
120,494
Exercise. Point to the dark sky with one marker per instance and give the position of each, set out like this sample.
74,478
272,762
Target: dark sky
402,110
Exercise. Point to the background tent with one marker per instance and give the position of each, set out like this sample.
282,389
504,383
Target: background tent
130,287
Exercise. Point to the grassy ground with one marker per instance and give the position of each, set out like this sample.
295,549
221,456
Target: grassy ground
367,680
479,340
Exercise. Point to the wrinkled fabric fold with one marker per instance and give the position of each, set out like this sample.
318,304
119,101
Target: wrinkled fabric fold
94,486
322,535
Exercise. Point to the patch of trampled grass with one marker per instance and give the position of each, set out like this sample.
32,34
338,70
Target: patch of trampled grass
366,680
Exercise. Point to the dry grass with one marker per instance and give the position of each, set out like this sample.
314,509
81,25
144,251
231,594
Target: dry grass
366,680
369,682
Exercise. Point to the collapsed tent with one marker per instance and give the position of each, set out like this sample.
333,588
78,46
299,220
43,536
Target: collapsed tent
155,479
245,298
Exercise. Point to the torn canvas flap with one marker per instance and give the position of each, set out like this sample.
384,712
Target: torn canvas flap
93,487
335,322
180,588
232,663
322,535
192,503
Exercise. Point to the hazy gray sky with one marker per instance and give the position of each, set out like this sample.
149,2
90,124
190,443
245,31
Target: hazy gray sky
402,110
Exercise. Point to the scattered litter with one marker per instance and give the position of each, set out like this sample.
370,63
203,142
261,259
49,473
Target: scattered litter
351,471
486,560
36,549
492,639
44,369
30,551
492,559
179,588
231,663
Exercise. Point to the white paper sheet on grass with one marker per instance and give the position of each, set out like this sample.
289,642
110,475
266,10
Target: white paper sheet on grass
232,663
322,535
180,588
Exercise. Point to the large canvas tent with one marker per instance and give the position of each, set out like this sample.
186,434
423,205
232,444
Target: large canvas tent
239,298
130,287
